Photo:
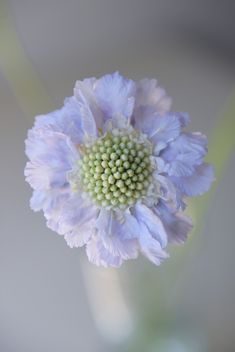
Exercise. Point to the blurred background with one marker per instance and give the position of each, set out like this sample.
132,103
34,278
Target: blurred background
51,298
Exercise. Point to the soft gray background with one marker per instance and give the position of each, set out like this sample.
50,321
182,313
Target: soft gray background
47,293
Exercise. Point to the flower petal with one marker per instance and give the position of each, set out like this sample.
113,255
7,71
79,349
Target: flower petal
126,249
79,236
150,247
84,91
77,212
75,220
51,156
166,190
152,236
184,153
49,200
67,120
115,95
149,94
197,183
166,128
160,129
88,124
152,222
176,224
118,235
99,255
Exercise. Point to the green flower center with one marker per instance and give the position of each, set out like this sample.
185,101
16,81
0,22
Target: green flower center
116,170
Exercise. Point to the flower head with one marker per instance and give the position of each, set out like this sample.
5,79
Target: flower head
112,167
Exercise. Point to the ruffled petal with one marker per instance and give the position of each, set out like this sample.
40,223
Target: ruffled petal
161,130
118,234
79,236
100,256
91,115
198,183
76,221
115,95
150,247
176,224
164,130
166,190
84,91
88,124
126,249
77,212
49,200
67,120
51,156
153,223
117,122
184,153
149,94
121,222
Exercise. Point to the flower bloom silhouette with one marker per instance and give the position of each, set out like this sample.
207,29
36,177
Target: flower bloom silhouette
112,167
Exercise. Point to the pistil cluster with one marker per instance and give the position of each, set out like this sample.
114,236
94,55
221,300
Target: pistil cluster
116,170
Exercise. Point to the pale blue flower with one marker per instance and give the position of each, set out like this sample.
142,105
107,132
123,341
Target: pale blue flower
112,167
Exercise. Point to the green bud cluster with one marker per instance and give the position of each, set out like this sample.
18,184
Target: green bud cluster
116,170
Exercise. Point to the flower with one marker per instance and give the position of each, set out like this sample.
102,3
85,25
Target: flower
111,169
